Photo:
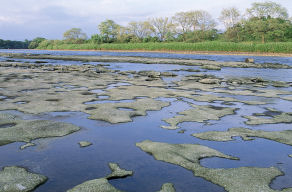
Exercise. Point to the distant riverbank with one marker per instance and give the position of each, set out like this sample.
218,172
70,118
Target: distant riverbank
220,48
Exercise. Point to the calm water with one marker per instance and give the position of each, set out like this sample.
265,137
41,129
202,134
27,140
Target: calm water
67,165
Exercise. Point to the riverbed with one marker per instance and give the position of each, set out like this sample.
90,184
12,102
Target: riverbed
118,105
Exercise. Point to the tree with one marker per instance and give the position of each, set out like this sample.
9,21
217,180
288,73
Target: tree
267,9
35,42
75,35
229,17
162,27
203,20
140,29
108,30
184,21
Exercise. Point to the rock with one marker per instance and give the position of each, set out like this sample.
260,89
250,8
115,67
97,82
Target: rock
84,143
168,74
284,137
117,172
257,120
17,179
211,67
209,81
242,179
96,185
249,60
16,129
199,113
167,187
27,145
151,74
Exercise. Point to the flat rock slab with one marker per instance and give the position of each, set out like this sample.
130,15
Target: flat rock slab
242,179
96,185
284,137
199,113
17,179
13,129
84,143
117,172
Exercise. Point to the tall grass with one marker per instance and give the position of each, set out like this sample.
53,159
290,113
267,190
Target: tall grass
279,47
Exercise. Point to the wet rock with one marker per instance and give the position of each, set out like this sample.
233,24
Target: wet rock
182,131
17,179
199,113
290,155
96,185
258,120
110,111
28,130
117,172
242,179
284,137
167,187
211,67
27,145
168,74
151,74
210,81
84,143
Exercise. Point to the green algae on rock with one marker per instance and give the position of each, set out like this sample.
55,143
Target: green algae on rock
167,187
199,113
117,172
284,137
17,179
242,179
15,129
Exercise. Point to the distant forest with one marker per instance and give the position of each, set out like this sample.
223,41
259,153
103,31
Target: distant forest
7,44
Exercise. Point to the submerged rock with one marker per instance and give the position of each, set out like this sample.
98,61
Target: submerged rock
199,113
242,179
117,172
13,129
27,145
17,179
284,137
84,143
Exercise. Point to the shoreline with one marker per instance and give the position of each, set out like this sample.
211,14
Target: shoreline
266,54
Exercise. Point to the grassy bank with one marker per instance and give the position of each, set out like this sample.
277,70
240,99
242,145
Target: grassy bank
279,47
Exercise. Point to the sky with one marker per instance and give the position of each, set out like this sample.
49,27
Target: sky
28,19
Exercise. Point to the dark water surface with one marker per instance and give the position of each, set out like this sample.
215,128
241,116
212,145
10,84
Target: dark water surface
67,165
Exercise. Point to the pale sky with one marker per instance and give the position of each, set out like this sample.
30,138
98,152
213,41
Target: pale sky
27,19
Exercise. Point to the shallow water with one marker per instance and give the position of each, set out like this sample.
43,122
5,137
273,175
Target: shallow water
67,165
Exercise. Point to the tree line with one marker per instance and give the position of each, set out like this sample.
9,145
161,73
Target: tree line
262,22
7,44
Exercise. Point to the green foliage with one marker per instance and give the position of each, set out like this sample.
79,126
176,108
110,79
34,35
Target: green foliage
7,44
74,35
35,42
108,30
280,47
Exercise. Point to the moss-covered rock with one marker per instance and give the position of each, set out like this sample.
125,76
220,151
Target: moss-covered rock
17,179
